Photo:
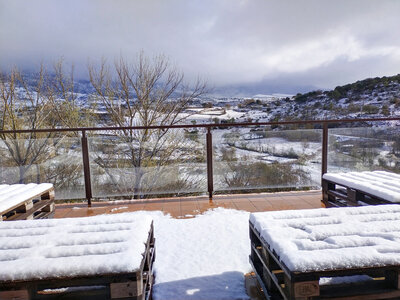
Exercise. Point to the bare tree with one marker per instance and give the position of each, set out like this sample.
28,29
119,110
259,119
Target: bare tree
35,102
148,92
66,110
24,107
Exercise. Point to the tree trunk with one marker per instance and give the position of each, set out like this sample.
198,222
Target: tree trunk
138,179
37,173
22,171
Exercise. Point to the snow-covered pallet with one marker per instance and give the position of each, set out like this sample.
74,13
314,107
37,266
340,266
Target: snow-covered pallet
102,257
338,253
26,201
360,188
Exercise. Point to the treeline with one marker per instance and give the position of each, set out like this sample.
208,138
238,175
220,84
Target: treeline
133,93
368,85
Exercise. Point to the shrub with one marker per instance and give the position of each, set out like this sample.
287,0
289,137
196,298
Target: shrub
370,109
385,110
260,174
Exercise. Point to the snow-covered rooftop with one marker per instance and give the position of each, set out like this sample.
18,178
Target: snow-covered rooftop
324,239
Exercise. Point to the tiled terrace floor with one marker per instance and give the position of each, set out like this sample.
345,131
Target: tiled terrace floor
184,207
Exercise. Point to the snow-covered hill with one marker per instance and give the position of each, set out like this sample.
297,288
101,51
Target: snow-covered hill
373,97
369,98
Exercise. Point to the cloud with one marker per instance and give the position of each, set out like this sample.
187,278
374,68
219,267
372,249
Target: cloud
227,42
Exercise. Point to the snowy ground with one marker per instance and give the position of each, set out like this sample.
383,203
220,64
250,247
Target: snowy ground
202,258
205,257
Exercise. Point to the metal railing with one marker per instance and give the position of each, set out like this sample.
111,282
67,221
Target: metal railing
324,124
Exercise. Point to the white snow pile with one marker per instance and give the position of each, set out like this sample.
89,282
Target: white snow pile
205,257
325,239
15,194
71,247
382,184
202,258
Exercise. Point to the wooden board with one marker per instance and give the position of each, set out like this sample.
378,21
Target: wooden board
278,282
337,195
135,285
40,206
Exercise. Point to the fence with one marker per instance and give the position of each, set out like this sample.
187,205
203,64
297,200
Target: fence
87,145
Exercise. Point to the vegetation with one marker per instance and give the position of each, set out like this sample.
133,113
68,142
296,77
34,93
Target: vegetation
370,109
141,162
140,96
350,90
300,135
260,174
30,106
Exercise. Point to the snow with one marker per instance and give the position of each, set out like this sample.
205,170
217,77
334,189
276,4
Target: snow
205,257
207,115
15,194
119,208
378,183
326,239
344,279
72,247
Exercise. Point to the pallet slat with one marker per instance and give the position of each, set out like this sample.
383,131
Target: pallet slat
37,206
338,195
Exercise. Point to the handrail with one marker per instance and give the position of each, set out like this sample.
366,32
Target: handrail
209,156
107,128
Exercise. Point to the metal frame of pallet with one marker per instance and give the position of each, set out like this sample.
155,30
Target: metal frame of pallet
278,282
39,206
135,285
332,196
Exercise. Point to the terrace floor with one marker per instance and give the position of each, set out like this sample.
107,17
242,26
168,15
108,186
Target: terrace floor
186,207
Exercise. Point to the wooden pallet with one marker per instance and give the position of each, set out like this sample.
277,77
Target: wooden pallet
336,195
278,282
135,285
39,206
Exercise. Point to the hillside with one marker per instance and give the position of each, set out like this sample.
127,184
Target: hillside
369,98
372,97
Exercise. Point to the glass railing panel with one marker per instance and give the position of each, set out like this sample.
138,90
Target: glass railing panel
364,149
143,163
54,160
264,159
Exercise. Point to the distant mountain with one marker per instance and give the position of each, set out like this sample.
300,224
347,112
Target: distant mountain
372,97
358,89
368,98
263,87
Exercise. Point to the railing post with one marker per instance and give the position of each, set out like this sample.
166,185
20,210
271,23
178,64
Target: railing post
209,163
324,167
86,168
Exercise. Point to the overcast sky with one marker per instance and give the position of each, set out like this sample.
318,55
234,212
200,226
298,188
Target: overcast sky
280,44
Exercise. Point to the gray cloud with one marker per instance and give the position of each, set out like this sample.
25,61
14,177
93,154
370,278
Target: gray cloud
283,43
